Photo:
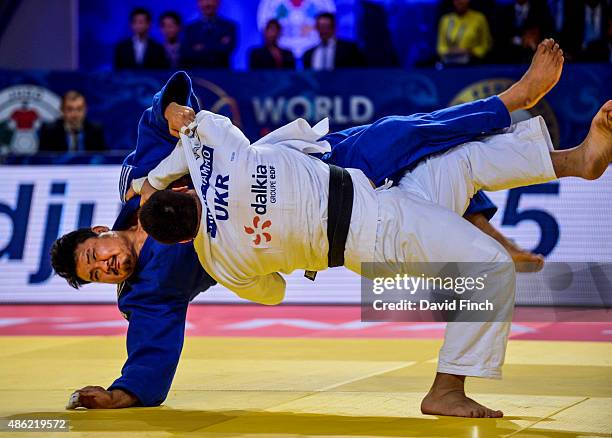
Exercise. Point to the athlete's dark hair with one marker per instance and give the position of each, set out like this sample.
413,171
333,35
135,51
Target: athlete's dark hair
170,217
63,257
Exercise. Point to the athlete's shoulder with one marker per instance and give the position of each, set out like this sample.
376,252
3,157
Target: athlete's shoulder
166,273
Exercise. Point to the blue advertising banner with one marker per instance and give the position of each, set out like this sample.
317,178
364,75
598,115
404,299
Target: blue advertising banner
261,101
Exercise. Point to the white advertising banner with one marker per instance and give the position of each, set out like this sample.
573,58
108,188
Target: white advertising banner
568,221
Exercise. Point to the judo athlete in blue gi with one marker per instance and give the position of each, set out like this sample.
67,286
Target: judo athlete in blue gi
156,282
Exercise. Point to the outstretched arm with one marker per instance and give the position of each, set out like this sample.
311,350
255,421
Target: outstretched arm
154,343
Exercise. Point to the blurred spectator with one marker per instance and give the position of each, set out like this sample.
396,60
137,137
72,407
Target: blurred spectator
209,40
331,53
600,51
520,27
375,37
487,7
558,14
586,26
140,51
270,55
170,26
463,35
73,131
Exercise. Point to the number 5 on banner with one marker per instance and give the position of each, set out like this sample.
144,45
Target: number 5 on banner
549,236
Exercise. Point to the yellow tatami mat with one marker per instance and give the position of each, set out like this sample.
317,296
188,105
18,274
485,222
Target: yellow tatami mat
294,387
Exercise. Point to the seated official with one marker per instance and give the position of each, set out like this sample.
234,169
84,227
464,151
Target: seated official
72,132
270,55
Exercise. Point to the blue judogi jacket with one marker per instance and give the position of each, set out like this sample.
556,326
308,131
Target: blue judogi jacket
167,277
154,300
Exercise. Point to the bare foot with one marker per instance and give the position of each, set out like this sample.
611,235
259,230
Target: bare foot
597,147
542,75
447,397
456,404
525,261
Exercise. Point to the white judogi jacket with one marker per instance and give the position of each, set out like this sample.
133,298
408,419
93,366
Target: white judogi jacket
264,206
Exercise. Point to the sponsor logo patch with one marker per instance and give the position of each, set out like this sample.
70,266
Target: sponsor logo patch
260,232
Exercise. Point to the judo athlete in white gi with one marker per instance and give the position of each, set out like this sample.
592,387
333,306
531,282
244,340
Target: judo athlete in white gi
156,282
261,209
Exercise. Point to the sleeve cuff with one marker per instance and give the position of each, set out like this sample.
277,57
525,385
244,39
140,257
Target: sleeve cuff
138,183
157,183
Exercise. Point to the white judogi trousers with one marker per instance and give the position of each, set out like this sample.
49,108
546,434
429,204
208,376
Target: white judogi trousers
421,221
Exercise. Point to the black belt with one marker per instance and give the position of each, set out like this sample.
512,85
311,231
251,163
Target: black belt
339,210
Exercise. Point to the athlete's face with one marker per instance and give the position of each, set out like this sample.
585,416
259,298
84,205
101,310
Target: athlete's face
106,258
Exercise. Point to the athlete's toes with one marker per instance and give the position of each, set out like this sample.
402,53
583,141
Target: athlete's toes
559,57
548,43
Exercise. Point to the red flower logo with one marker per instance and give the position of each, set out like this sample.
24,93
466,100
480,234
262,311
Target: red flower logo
257,234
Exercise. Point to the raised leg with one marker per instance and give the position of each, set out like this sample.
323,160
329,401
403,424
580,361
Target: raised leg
520,156
542,75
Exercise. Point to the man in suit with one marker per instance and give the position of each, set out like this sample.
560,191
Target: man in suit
140,51
208,41
600,51
270,55
72,132
331,53
170,27
520,26
586,28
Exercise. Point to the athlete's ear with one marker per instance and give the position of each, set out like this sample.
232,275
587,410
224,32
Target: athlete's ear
99,229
